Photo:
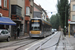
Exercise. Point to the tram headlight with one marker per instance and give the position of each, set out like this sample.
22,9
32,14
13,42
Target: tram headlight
40,31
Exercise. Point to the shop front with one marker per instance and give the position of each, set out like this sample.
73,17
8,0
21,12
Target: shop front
71,28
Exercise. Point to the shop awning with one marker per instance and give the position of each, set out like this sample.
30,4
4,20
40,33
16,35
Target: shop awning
6,21
71,22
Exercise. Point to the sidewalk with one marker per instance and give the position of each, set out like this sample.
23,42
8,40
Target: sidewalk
20,38
71,40
66,43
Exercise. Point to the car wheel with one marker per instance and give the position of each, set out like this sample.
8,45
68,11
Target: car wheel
8,39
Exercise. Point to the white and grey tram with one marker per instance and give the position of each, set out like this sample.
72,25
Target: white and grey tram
39,28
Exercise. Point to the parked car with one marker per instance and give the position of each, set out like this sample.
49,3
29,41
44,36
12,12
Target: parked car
54,30
4,34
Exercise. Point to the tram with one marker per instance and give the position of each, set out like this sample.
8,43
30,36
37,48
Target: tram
39,28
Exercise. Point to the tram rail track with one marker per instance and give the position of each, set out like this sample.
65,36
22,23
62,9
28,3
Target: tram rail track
17,43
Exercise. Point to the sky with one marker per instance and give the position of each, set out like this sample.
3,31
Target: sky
48,5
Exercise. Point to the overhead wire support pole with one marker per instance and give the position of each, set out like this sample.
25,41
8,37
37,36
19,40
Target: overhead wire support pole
65,20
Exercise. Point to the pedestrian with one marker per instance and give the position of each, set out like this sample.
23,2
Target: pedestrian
64,32
67,31
18,31
74,32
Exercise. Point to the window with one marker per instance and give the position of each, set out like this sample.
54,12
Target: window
0,2
3,32
73,7
5,3
16,10
73,18
27,11
6,31
13,9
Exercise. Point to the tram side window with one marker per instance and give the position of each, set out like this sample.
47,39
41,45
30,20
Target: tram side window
44,28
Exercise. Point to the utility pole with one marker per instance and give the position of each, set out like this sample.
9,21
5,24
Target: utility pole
65,20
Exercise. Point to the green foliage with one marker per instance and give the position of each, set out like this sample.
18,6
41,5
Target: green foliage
55,21
63,8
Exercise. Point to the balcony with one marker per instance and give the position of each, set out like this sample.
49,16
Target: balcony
15,17
16,12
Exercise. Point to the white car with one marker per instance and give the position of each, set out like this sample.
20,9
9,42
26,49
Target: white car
4,35
54,30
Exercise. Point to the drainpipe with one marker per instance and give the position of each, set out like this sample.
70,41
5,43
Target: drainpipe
9,16
24,20
9,9
33,10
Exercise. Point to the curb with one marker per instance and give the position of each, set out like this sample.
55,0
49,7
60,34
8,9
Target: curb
20,38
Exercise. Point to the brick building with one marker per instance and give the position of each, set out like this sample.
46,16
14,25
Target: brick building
72,17
28,13
4,10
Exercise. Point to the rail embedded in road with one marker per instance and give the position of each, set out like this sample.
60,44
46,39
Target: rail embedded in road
44,42
16,44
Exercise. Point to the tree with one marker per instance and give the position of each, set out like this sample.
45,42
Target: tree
62,6
55,21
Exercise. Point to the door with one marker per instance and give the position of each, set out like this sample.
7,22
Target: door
6,34
0,36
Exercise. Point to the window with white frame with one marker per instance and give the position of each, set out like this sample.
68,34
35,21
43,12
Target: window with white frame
73,17
0,2
73,7
27,11
5,3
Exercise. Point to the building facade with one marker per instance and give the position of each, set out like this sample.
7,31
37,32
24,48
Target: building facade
39,12
4,11
20,11
72,16
28,13
17,13
4,7
31,8
44,15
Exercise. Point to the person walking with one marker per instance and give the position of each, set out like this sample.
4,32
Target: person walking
18,31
